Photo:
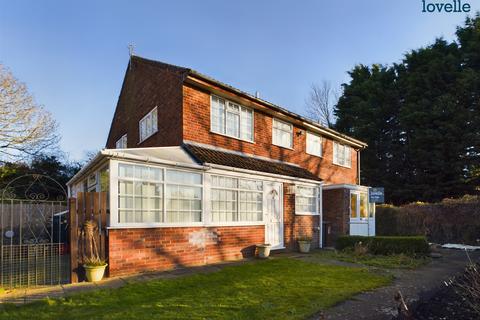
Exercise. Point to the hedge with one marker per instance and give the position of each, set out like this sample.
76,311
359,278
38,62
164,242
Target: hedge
415,245
449,221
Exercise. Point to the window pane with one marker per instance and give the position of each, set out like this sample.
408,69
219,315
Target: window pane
233,124
125,170
183,177
247,124
353,205
218,115
363,206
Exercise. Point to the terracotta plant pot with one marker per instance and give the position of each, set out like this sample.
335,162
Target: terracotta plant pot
263,250
94,273
304,246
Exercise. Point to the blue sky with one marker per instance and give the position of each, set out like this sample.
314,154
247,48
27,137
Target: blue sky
73,55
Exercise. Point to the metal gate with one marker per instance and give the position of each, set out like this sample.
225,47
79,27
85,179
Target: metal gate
33,220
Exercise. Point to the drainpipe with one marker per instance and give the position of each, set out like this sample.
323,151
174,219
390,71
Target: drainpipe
358,167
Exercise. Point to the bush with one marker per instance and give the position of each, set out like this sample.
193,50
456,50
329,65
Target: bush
413,246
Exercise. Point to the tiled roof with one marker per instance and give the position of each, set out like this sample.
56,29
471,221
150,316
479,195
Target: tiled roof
229,159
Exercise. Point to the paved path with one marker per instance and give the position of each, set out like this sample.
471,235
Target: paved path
413,284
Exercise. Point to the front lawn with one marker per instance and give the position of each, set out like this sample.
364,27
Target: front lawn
395,261
282,288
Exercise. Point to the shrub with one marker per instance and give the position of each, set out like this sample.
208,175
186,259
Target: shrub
413,246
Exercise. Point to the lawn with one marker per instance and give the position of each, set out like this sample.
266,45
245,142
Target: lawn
395,261
281,288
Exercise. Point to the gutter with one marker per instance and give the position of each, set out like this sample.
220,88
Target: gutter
121,155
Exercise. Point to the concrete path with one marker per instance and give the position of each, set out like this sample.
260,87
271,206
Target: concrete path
413,284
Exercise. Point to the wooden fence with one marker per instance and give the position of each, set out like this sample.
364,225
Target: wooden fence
87,206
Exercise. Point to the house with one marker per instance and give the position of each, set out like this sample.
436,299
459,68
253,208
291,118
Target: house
197,171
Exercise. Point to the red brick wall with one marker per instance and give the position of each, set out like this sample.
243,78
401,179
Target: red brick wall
196,127
146,86
336,207
298,225
155,249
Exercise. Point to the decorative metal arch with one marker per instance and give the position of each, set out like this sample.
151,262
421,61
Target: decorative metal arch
34,187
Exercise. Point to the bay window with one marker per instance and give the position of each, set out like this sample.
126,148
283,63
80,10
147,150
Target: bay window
234,199
282,134
341,154
306,200
231,119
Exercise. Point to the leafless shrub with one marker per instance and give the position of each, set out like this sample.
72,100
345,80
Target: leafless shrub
468,286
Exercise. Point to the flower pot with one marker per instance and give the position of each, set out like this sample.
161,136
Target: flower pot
94,273
304,246
263,250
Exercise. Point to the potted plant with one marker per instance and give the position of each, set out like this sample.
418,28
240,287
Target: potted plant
92,263
263,250
94,269
304,244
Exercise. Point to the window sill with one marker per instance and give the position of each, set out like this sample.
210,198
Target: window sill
232,137
339,165
277,145
314,155
186,225
146,138
306,214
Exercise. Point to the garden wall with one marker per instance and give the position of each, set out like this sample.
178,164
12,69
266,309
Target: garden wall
449,221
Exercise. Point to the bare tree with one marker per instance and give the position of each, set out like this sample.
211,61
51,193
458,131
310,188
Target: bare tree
26,128
320,103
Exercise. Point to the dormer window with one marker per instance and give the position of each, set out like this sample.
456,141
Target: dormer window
148,125
231,119
122,142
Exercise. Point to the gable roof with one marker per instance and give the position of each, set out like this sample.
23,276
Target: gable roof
186,72
207,156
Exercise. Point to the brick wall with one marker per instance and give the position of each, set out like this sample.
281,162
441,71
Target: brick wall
196,127
336,215
297,225
146,86
154,249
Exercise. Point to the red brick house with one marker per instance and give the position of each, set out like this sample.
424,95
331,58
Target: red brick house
199,172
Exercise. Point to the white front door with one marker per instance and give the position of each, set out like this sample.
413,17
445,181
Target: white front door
362,214
274,214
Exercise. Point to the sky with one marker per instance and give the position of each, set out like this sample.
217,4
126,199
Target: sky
72,55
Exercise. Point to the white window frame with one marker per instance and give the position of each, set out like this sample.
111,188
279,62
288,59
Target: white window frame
237,191
343,147
318,200
151,116
359,194
122,142
310,134
274,139
240,122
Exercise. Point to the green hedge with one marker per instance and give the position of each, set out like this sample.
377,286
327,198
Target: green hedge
415,245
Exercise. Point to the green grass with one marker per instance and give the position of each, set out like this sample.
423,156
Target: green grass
395,261
280,288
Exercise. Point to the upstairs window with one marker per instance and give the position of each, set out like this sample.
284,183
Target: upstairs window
341,155
122,142
148,125
314,144
282,134
231,119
